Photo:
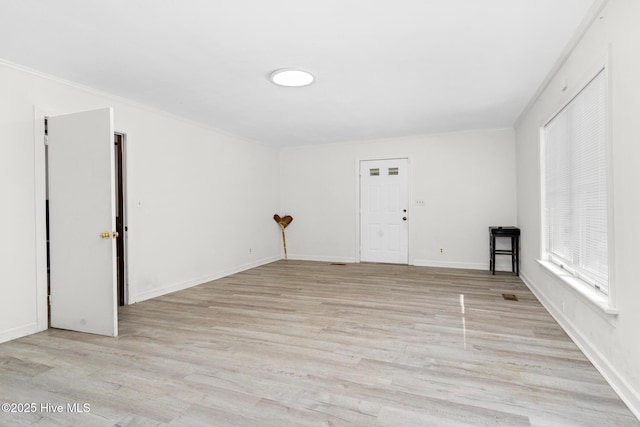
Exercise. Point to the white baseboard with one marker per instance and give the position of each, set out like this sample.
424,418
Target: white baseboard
629,395
451,264
154,293
417,263
301,257
20,331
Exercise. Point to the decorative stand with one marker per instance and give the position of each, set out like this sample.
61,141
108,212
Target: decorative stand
283,223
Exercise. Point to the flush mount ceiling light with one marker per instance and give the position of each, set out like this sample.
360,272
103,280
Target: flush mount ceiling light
291,77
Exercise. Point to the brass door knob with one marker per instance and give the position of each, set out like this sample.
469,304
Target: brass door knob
105,235
115,234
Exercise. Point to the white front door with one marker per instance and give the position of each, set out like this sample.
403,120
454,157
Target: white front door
82,222
384,204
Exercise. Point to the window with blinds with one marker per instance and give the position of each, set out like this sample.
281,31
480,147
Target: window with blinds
575,178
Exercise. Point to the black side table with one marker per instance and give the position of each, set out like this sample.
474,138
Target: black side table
514,234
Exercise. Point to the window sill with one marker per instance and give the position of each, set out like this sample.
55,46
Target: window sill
586,292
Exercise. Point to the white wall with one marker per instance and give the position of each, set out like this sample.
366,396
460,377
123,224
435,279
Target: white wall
612,344
206,198
467,180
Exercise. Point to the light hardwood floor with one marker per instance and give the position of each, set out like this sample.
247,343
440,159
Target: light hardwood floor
313,344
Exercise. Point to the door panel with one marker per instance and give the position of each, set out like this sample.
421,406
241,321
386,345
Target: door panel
81,207
384,234
394,238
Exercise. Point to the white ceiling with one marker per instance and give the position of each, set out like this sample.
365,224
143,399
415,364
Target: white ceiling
383,68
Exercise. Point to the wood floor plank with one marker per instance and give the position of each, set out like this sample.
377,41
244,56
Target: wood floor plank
298,343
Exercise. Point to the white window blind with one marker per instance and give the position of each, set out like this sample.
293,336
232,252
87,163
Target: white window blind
575,177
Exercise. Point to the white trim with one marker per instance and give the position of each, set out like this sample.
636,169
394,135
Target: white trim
452,264
410,212
125,213
357,209
143,296
612,294
40,196
395,140
316,258
542,215
20,331
582,289
617,381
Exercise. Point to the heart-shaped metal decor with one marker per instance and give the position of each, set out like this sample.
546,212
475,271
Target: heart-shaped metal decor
283,222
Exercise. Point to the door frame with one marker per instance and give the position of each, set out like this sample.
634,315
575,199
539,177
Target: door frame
358,241
40,190
122,178
40,226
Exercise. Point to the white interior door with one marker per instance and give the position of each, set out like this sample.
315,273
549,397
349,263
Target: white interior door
82,222
384,202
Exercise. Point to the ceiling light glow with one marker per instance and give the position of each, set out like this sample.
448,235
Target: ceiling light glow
291,77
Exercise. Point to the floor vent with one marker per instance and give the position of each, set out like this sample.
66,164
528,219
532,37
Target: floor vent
510,297
337,263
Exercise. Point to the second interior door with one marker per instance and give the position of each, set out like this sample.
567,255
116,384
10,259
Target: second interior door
384,216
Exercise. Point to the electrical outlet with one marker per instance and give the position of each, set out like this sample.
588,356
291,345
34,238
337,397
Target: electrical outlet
250,250
441,250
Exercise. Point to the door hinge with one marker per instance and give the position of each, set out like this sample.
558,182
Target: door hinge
46,131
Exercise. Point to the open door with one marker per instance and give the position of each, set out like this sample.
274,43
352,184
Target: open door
82,222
